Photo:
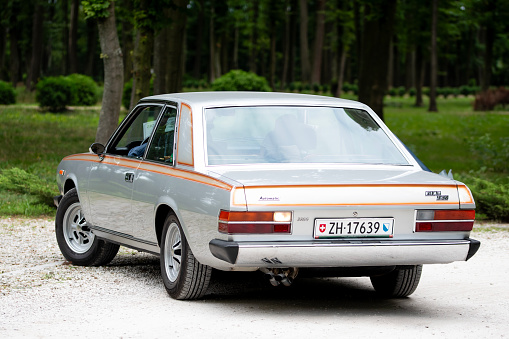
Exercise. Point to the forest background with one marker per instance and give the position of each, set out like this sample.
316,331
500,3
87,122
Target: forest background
436,54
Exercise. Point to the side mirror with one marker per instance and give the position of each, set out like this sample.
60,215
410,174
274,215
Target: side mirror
97,148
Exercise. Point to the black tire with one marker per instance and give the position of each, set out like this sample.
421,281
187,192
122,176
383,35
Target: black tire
183,276
76,241
399,283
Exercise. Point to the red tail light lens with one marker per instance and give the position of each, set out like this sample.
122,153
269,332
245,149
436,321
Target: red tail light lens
444,220
254,222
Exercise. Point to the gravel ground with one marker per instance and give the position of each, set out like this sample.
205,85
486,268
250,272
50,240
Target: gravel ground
41,295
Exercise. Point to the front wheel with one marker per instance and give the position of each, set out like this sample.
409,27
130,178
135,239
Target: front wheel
76,241
183,276
399,283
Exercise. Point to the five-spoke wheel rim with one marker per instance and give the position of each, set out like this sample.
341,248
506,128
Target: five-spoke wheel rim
76,233
172,252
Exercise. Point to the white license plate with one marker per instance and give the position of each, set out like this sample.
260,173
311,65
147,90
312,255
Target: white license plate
354,227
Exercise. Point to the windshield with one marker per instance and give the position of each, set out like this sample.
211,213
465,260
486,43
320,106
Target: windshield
284,134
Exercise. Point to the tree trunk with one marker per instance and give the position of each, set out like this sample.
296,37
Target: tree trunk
390,66
91,47
37,47
142,58
161,59
304,47
376,37
488,57
199,40
318,45
434,59
113,76
65,36
212,46
286,45
341,75
419,76
175,54
127,42
3,47
73,37
253,48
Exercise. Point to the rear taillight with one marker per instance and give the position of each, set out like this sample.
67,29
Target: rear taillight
444,220
254,222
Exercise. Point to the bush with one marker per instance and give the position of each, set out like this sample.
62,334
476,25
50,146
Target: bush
491,199
84,90
393,92
238,80
412,91
401,91
7,93
489,99
54,93
493,154
19,181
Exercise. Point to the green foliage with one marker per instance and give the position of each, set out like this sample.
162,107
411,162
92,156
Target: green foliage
7,93
492,154
238,80
491,199
19,181
401,91
126,94
54,93
95,9
84,90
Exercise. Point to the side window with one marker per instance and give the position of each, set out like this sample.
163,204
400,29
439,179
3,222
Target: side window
161,146
134,138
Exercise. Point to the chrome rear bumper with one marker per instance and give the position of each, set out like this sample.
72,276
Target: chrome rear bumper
342,253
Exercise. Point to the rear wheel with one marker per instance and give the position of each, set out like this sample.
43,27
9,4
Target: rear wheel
76,241
399,283
183,276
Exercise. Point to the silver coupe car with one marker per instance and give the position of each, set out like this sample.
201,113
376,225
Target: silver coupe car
276,182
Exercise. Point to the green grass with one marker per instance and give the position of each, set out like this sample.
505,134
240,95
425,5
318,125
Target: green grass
443,140
36,141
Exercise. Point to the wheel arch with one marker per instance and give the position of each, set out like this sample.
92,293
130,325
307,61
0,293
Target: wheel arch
69,185
162,213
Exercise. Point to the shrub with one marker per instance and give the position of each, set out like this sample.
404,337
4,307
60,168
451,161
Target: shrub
19,181
238,80
401,91
493,154
84,90
393,92
412,91
491,199
7,93
489,99
54,93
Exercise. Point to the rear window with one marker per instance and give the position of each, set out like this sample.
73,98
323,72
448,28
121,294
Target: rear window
287,134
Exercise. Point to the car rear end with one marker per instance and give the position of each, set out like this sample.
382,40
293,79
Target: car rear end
423,219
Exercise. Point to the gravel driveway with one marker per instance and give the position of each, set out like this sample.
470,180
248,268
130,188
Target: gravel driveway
41,295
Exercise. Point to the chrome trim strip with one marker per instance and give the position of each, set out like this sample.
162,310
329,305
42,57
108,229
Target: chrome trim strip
351,253
125,240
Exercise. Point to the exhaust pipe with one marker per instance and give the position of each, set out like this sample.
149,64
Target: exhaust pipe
278,276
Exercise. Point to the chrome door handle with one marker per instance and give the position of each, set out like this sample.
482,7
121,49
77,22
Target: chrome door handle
129,177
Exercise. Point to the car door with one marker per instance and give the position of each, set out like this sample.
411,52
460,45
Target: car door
153,178
111,180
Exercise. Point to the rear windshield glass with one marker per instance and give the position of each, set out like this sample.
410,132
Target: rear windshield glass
281,134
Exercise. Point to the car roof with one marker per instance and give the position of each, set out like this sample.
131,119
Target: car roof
252,98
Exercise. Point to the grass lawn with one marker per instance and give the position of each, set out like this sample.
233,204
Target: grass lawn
36,141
